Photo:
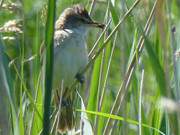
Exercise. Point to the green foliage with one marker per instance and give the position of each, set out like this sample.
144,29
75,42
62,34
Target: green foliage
49,38
117,68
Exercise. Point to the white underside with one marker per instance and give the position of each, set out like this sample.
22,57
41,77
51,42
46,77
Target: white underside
70,56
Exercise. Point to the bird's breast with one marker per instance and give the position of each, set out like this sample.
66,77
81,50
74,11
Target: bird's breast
69,58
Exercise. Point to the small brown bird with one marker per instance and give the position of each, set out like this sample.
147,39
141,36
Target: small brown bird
70,57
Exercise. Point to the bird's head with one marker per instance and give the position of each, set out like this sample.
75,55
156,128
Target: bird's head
76,17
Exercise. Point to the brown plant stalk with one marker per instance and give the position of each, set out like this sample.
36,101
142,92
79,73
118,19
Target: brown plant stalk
124,86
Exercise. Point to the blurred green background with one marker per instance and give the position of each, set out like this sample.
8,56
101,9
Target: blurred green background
149,95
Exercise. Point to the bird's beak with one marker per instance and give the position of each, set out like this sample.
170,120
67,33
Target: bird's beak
96,24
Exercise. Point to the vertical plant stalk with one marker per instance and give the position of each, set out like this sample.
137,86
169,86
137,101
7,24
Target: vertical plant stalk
93,3
8,85
22,70
107,73
175,65
140,102
98,52
49,38
124,86
102,68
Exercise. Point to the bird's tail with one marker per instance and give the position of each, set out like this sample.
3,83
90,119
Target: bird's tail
66,116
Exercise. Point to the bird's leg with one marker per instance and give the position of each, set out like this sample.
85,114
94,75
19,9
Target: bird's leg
80,78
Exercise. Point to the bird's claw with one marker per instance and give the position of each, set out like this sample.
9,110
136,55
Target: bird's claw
80,78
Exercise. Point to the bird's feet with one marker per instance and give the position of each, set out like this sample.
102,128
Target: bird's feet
80,78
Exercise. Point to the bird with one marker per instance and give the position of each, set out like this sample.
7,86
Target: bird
70,57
